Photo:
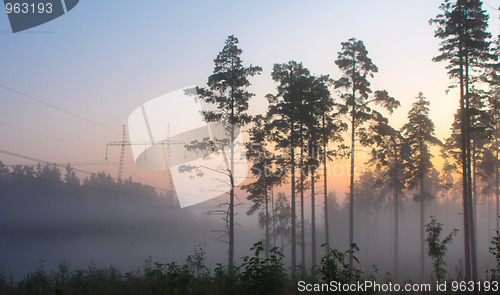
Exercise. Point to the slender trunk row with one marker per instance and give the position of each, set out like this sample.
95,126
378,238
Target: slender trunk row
468,169
313,220
325,176
302,221
464,168
396,210
294,218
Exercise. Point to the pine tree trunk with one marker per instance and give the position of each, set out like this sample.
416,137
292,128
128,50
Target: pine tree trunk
422,240
231,206
396,208
464,169
302,220
474,190
351,192
497,186
325,176
274,217
294,218
267,221
313,220
472,234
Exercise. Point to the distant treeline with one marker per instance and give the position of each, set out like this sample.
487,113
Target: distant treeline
23,178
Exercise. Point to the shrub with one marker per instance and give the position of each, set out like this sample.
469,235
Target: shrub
261,275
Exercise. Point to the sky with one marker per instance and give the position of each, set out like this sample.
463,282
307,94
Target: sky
68,86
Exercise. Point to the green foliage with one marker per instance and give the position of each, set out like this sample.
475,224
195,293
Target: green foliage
495,250
263,275
199,271
335,267
436,249
157,278
168,278
197,263
226,280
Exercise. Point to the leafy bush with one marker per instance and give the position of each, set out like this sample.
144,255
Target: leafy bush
335,267
495,250
437,248
36,283
169,278
256,275
264,275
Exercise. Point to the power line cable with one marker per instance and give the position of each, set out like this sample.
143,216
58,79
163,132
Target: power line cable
58,108
50,137
39,160
38,117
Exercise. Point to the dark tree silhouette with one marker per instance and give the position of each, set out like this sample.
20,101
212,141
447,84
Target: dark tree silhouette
285,111
465,44
321,126
419,134
357,68
494,146
479,135
389,151
227,90
492,77
4,172
266,173
331,130
70,177
282,217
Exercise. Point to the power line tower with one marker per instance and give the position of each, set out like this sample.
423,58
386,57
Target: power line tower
169,161
122,144
164,143
122,154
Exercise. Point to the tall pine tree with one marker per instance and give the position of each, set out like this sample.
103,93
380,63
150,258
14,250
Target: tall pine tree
357,68
389,151
462,27
286,112
419,135
227,90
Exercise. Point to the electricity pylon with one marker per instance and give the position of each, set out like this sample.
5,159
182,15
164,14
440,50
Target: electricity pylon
126,142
